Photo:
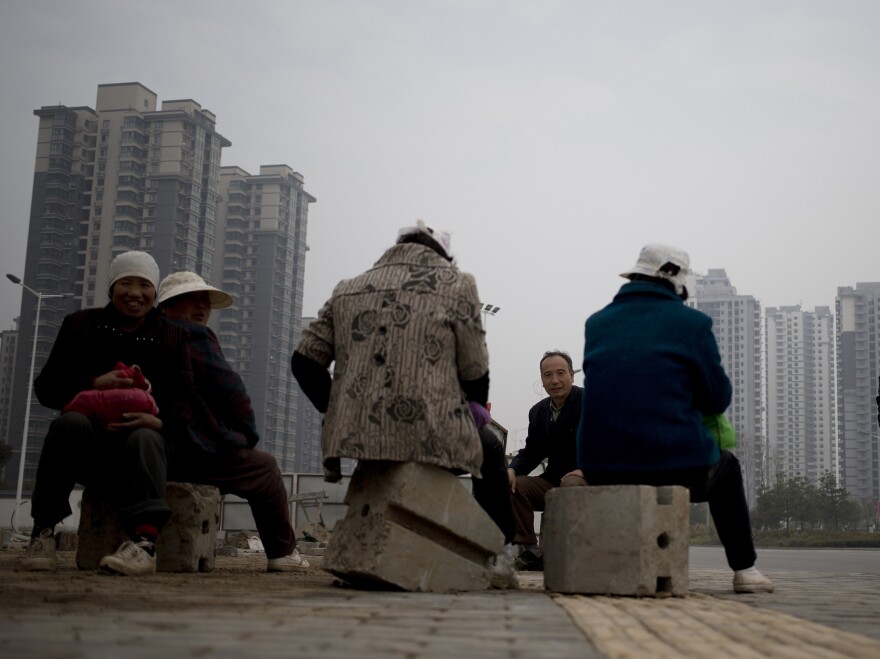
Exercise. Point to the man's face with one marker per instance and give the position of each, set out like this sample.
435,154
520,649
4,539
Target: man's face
133,297
557,378
192,307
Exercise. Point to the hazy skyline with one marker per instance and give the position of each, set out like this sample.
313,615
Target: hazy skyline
553,139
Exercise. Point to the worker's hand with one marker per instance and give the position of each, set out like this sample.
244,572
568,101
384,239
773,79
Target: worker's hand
135,420
113,380
511,476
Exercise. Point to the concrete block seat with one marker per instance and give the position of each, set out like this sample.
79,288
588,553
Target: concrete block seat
617,540
186,544
413,527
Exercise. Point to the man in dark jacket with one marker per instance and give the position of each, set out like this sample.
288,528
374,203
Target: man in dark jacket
651,371
552,428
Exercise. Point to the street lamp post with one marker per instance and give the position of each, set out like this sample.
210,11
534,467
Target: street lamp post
27,409
488,310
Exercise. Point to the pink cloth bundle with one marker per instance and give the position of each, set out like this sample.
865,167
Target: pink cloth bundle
108,405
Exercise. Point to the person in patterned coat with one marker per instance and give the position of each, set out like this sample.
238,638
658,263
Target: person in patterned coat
411,376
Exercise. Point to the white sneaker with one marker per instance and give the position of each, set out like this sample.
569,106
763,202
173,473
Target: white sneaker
40,556
131,559
503,573
751,581
293,562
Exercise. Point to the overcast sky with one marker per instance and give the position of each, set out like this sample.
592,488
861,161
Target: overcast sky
553,137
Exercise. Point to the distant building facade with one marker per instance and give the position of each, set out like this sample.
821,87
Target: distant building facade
801,403
132,175
263,225
8,339
858,343
737,327
58,228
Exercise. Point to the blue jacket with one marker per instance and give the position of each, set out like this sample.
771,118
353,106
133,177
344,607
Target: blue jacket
651,370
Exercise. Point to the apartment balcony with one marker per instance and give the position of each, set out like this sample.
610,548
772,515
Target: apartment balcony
129,182
124,227
237,238
53,255
237,210
237,224
232,264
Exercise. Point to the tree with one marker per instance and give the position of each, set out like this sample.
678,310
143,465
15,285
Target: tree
795,502
866,509
835,504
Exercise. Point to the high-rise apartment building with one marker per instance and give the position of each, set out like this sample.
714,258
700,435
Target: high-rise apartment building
801,428
156,185
263,228
858,344
737,327
8,339
131,174
54,260
122,176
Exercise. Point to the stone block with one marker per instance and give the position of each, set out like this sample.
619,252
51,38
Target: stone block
617,540
186,544
414,527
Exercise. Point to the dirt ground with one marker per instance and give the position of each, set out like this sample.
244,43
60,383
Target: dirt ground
90,591
242,579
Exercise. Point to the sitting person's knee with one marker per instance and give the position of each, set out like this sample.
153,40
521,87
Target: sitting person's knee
145,439
69,420
573,480
264,460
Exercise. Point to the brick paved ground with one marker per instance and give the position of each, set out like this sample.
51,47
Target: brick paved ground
239,610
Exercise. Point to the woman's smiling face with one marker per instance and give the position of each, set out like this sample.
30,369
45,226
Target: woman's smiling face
133,297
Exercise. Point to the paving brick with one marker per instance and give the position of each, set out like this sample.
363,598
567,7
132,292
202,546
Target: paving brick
616,540
186,544
412,526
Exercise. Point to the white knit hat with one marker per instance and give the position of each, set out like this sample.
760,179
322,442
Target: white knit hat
133,264
663,261
181,283
442,238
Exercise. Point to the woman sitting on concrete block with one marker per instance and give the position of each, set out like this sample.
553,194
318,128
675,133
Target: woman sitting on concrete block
651,371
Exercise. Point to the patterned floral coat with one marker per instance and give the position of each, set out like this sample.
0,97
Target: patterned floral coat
402,334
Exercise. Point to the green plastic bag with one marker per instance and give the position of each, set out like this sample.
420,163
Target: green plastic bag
721,430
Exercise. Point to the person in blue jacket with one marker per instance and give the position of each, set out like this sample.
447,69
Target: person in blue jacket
651,371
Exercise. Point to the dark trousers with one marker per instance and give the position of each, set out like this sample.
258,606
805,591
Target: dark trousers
721,485
134,469
130,467
528,497
491,491
253,475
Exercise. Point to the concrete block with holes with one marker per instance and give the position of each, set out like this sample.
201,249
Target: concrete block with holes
617,540
413,527
186,544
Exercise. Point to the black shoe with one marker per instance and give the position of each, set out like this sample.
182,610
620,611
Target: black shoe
528,561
